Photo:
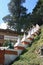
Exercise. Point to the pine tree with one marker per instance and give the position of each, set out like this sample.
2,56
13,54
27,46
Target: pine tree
17,17
38,12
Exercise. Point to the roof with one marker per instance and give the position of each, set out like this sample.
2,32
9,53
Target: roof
11,31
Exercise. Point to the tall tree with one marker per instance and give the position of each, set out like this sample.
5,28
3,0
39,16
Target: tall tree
38,10
17,17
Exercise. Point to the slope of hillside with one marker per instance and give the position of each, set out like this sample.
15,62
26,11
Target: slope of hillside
31,56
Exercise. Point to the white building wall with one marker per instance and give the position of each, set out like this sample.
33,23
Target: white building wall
9,58
6,37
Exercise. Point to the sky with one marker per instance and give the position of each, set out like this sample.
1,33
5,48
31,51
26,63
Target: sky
29,4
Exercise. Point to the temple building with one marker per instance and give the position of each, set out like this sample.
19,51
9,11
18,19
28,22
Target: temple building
6,34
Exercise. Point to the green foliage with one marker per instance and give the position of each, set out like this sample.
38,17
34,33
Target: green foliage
37,14
38,10
8,43
11,45
17,17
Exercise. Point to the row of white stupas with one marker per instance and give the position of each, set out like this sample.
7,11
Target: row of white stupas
26,40
20,46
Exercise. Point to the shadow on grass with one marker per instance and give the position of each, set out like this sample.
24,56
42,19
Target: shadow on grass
24,51
33,64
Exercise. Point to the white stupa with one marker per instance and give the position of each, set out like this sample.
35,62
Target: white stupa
37,27
18,42
33,31
30,36
24,38
25,41
19,46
